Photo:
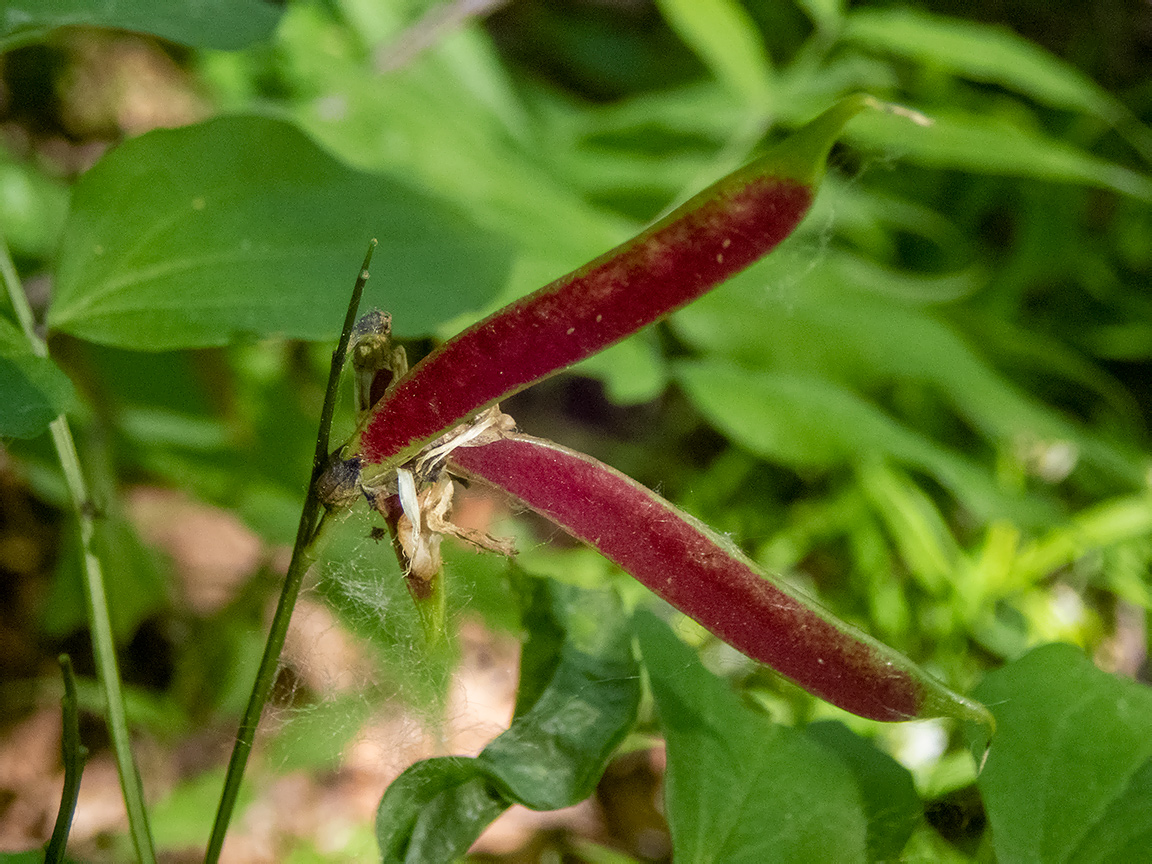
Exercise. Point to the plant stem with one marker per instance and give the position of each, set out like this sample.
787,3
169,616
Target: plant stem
303,555
73,753
95,597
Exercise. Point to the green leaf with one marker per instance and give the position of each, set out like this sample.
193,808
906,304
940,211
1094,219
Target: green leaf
242,226
994,145
183,817
554,753
448,140
224,24
726,39
632,371
557,747
738,787
1069,772
33,390
980,52
886,789
434,811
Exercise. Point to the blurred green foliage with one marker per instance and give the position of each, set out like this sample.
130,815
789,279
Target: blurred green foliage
930,407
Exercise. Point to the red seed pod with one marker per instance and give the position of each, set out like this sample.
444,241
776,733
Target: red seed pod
708,578
713,236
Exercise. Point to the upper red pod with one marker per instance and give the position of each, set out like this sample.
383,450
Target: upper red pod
705,241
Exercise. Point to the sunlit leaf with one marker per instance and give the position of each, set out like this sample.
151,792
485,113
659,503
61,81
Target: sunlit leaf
804,421
241,226
726,39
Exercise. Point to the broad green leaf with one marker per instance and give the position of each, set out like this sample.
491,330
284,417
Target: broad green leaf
33,390
726,39
886,789
222,24
804,421
434,811
241,226
981,52
994,145
556,750
1069,772
580,650
738,787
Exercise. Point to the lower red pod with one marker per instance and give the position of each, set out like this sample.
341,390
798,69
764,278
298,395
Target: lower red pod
706,577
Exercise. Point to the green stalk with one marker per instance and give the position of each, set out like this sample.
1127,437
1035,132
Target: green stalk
73,753
303,555
95,597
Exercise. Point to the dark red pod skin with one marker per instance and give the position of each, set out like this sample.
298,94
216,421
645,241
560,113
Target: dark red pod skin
707,578
586,311
705,241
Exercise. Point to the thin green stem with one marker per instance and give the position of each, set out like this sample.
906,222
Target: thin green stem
74,754
95,597
303,555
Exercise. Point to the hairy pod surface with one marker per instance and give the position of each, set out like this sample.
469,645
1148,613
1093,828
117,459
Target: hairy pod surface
708,578
710,238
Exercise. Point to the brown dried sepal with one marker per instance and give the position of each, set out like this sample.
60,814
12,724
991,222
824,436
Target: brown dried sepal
419,533
416,502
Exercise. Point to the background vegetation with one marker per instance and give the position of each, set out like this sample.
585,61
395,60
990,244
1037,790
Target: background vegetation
930,408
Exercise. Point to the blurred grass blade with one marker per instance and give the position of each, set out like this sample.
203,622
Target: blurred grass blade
95,595
981,52
817,328
804,421
725,37
986,144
